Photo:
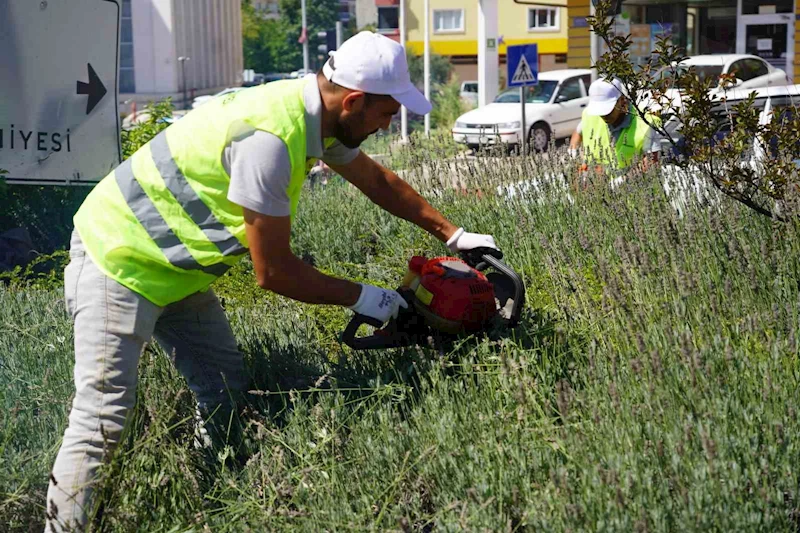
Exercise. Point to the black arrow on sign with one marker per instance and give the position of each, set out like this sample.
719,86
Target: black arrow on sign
95,89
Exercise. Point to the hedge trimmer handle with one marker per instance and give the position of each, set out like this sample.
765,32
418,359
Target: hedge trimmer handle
482,258
349,334
476,258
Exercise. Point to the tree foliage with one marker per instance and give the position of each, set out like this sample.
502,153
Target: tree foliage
710,137
440,69
271,45
158,118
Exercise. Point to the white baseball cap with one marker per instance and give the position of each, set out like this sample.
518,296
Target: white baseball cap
375,64
603,96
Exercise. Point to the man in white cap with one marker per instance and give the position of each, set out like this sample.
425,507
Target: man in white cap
223,181
611,130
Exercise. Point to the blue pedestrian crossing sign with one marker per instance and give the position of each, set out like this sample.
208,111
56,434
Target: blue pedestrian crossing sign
523,65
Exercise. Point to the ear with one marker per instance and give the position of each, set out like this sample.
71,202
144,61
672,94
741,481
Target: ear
354,101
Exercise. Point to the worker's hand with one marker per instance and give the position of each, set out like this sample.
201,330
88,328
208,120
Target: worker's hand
378,303
462,241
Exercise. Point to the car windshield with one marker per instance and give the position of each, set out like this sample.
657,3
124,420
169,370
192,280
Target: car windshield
703,72
535,94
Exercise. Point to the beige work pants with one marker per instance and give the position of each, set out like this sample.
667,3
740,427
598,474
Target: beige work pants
112,325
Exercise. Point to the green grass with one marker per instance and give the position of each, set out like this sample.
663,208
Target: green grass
652,385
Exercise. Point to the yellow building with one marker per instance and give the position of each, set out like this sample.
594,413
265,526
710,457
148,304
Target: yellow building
454,31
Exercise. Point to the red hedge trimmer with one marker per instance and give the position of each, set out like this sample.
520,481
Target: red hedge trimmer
447,297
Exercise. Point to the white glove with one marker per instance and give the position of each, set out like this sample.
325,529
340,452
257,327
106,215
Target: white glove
378,303
462,241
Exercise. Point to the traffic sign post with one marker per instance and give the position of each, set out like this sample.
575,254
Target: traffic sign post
522,62
59,122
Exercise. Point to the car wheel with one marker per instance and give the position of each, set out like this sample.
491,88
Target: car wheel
539,137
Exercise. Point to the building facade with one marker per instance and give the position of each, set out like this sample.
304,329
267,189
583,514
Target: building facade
765,28
454,29
167,46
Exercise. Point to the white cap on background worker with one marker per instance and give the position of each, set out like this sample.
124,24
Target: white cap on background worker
603,96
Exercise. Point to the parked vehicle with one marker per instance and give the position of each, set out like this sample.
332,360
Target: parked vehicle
750,71
553,109
781,99
469,92
200,100
780,103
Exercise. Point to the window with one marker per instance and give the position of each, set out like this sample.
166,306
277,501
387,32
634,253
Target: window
534,94
388,18
127,80
747,69
545,19
570,90
448,20
758,7
755,68
587,81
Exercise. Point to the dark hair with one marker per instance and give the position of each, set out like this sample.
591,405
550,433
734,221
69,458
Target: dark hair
370,98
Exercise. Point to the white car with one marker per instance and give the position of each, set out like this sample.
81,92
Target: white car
553,109
469,92
200,100
776,101
750,71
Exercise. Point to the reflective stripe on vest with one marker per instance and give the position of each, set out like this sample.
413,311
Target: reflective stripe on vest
191,203
155,225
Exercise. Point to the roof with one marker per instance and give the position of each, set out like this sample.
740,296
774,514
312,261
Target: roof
560,75
792,91
714,59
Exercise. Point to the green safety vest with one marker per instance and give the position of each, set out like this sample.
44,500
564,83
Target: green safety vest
597,139
161,223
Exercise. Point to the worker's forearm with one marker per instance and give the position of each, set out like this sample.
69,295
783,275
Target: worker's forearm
293,278
400,199
575,140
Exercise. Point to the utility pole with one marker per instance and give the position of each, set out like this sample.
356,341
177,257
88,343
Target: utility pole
305,38
183,60
488,78
339,34
593,46
403,110
427,66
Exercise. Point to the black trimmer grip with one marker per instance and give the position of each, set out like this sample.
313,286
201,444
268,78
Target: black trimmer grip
516,280
349,334
475,257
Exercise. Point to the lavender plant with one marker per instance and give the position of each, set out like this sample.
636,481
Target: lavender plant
651,386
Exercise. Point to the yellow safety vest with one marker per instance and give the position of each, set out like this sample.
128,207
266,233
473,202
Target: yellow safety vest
161,223
597,139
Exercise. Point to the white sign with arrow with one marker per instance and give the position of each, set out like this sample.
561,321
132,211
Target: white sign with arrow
59,122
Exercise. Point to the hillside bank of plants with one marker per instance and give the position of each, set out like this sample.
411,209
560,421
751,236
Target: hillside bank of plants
652,384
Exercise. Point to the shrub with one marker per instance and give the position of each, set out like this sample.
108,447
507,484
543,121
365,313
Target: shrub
711,138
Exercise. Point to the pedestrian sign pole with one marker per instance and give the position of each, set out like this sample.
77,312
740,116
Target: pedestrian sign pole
523,70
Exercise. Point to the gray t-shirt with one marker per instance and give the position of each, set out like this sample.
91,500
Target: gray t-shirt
259,166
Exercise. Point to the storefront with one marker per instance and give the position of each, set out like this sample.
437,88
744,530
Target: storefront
765,28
